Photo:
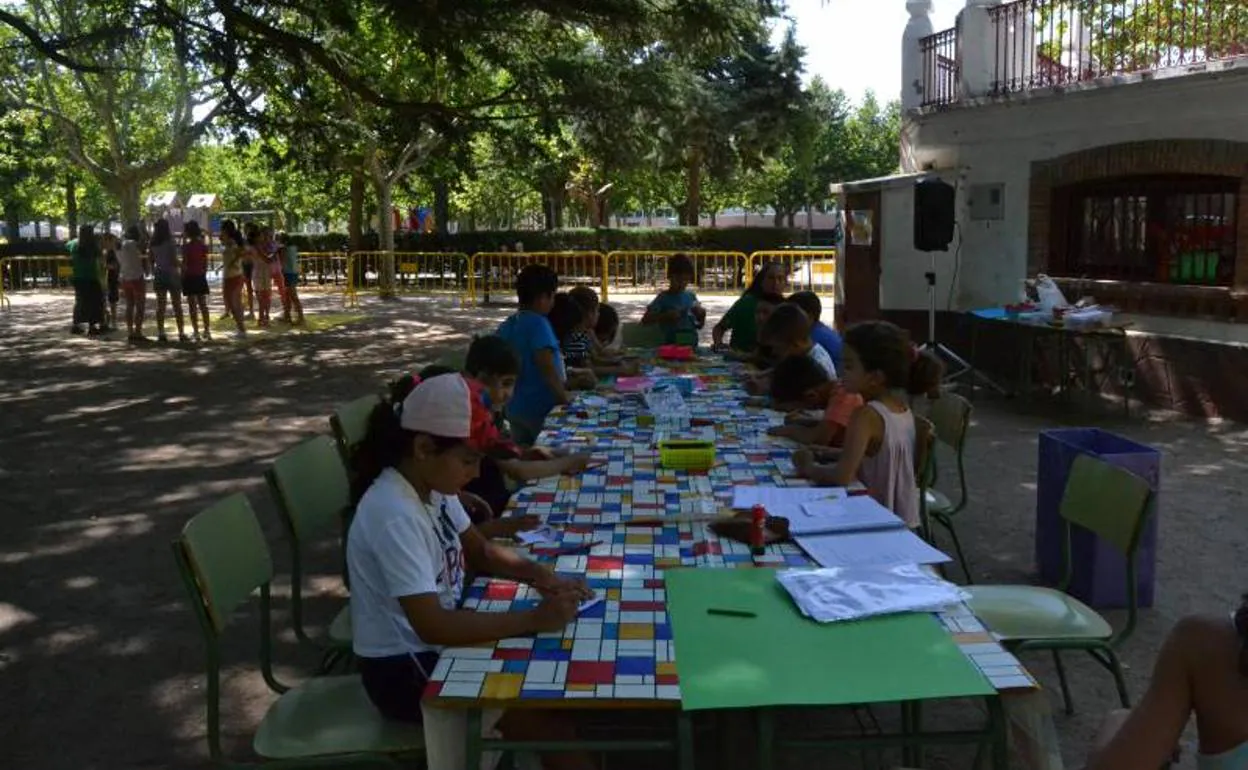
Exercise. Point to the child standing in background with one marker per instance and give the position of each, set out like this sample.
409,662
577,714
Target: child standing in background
112,280
542,383
195,277
881,442
289,254
261,276
233,257
677,310
166,279
273,258
133,283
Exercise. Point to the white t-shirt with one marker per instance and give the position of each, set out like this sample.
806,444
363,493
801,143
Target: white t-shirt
131,261
821,357
398,545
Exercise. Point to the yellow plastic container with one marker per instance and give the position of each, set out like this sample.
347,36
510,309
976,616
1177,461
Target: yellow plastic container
686,455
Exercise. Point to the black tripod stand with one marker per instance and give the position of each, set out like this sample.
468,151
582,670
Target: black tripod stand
957,367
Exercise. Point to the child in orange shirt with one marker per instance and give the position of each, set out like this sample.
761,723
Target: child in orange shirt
800,384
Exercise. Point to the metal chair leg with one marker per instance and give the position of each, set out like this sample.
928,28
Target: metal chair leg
947,523
1061,677
1115,668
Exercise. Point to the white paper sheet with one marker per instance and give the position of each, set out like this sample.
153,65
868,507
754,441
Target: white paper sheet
544,534
791,498
884,548
850,514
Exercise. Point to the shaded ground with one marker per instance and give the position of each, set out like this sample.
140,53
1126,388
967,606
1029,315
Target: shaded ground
106,450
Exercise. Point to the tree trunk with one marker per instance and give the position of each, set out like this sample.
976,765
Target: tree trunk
693,188
355,219
385,232
778,219
127,191
792,217
441,206
71,204
714,217
12,221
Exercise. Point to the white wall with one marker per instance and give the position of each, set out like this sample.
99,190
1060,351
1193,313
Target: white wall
903,285
997,142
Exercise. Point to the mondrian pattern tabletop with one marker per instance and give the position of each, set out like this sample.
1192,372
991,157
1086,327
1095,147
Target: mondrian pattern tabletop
620,525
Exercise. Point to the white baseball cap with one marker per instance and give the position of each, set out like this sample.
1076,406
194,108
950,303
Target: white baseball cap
445,406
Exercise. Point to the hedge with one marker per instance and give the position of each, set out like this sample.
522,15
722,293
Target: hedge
743,239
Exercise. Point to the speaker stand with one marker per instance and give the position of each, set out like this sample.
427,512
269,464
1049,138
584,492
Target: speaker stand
957,367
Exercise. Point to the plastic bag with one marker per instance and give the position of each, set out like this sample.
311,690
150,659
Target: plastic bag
850,593
1048,295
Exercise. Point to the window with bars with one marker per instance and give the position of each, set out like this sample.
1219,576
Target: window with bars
1176,230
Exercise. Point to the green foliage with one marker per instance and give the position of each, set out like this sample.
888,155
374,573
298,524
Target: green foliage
742,239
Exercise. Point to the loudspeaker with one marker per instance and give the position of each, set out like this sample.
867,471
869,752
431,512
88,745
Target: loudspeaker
934,204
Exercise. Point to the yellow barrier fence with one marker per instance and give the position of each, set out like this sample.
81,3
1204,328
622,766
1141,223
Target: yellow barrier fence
645,272
50,272
328,272
492,275
808,269
415,272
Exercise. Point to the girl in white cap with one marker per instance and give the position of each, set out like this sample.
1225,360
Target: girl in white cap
408,547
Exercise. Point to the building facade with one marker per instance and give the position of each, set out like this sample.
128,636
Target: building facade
1104,144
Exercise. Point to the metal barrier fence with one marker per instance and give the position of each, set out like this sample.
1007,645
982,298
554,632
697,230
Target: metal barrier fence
645,272
488,275
492,275
48,272
808,270
415,272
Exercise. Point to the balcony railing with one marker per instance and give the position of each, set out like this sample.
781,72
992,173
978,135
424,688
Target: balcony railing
1043,43
941,60
1046,43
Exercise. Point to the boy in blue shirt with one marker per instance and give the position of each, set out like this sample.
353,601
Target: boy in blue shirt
542,383
677,311
823,335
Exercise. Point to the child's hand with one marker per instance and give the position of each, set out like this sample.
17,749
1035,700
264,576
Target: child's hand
556,585
574,464
538,453
803,460
754,386
509,526
782,431
555,612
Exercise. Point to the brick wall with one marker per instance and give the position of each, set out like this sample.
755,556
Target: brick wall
1180,156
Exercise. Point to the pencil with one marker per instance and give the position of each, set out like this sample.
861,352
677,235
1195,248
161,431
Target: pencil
731,613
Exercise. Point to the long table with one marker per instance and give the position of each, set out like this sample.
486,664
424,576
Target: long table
625,525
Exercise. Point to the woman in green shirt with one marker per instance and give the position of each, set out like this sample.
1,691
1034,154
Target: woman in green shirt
771,278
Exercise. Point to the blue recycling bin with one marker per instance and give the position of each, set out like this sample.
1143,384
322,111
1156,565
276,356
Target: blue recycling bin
1099,570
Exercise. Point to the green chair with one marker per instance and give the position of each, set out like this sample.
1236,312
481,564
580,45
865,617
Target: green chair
635,335
1112,503
349,423
951,420
326,721
313,492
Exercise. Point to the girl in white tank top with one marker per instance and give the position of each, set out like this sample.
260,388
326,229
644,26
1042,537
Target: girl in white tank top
881,442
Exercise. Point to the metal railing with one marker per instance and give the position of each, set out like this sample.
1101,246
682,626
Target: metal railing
808,269
942,61
47,272
1045,43
492,275
645,272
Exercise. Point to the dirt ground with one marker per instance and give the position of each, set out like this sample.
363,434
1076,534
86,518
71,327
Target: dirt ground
107,449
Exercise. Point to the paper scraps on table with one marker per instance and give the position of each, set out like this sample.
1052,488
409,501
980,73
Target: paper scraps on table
539,536
849,514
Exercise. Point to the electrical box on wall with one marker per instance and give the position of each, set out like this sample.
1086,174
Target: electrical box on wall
986,202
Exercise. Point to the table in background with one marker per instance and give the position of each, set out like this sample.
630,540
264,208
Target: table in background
1084,358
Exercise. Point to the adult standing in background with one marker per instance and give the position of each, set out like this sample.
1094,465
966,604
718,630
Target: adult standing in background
771,278
85,255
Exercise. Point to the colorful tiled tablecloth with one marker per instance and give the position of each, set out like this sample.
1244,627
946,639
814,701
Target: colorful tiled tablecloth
621,650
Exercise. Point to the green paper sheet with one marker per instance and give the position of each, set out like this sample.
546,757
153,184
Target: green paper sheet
781,658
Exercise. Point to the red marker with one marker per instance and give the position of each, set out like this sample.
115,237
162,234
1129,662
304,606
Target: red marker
758,531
